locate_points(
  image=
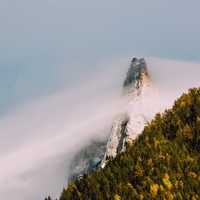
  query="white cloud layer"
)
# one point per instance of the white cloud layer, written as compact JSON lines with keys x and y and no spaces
{"x":39,"y":139}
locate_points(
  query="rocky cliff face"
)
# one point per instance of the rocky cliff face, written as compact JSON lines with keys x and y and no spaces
{"x":138,"y":88}
{"x":87,"y":159}
{"x":136,"y":73}
{"x":140,"y":92}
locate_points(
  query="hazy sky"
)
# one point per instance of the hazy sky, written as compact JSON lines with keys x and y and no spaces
{"x":44,"y":44}
{"x":50,"y":47}
{"x":39,"y":139}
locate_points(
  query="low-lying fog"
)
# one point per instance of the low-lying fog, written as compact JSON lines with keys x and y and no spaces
{"x":39,"y":139}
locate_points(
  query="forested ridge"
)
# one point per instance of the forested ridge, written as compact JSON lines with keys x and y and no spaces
{"x":162,"y":163}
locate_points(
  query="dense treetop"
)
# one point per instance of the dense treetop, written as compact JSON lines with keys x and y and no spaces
{"x":162,"y":163}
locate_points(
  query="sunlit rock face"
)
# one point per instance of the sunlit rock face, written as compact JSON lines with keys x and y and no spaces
{"x":141,"y":97}
{"x":116,"y":141}
{"x":141,"y":94}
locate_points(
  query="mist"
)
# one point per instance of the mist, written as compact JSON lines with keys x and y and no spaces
{"x":39,"y":139}
{"x":173,"y":77}
{"x":56,"y":93}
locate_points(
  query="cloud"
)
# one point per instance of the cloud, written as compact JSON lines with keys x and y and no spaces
{"x":40,"y":136}
{"x":173,"y":77}
{"x":39,"y":139}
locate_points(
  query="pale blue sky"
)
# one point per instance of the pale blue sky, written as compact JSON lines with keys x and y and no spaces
{"x":43,"y":43}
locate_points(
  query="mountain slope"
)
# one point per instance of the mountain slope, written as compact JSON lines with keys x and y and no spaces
{"x":162,"y":163}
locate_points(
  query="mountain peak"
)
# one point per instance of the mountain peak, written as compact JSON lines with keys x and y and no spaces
{"x":137,"y":69}
{"x":163,"y":163}
{"x":137,"y":86}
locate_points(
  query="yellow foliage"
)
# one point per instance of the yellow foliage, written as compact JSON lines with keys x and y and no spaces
{"x":161,"y":157}
{"x":169,"y":196}
{"x":72,"y":186}
{"x":117,"y":197}
{"x":195,"y":197}
{"x":187,"y":132}
{"x":181,"y":184}
{"x":138,"y":170}
{"x":154,"y":189}
{"x":182,"y":104}
{"x":167,"y":182}
{"x":156,"y":143}
{"x":150,"y":162}
{"x":198,"y":120}
{"x":161,"y":188}
{"x":185,"y":101}
{"x":192,"y":174}
{"x":190,"y":159}
{"x":129,"y":185}
{"x":166,"y":176}
{"x":140,"y":197}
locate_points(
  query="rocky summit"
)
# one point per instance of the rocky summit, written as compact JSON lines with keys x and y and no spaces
{"x":126,"y":127}
{"x":137,"y":86}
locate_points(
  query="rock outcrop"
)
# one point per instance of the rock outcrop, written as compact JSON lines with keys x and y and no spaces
{"x":87,"y":160}
{"x":140,"y":92}
{"x":139,"y":89}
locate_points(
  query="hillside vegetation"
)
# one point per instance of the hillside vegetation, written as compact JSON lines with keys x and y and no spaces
{"x":162,"y":163}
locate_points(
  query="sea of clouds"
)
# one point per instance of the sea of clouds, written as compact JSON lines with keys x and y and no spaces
{"x":39,"y":139}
